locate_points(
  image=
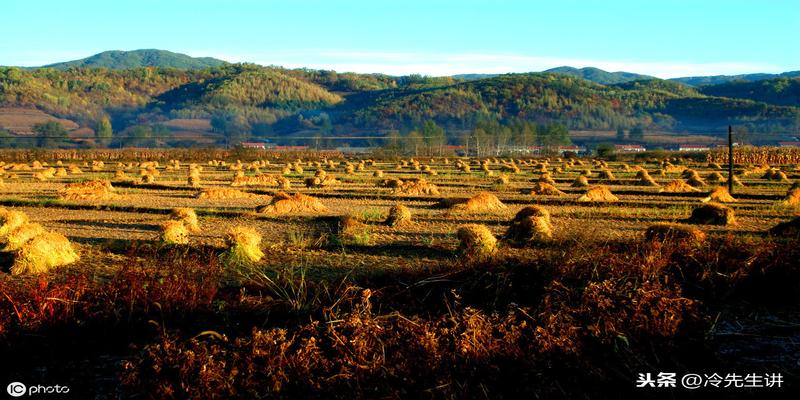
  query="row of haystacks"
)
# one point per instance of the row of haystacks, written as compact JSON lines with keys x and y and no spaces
{"x":34,"y":249}
{"x":284,"y":203}
{"x":410,"y":186}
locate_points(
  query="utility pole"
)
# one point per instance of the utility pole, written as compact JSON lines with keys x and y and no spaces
{"x":730,"y":159}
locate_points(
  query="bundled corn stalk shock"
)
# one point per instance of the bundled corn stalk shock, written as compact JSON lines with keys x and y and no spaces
{"x":258,"y":180}
{"x":243,"y":246}
{"x":501,"y":180}
{"x":476,"y":242}
{"x":90,"y":190}
{"x":678,"y":186}
{"x":715,"y":177}
{"x":378,"y":174}
{"x":792,"y":198}
{"x":416,"y":187}
{"x":546,"y":189}
{"x":546,"y":178}
{"x":481,"y":202}
{"x":531,"y":224}
{"x":712,"y":214}
{"x":607,"y":174}
{"x":645,"y":179}
{"x":283,"y":203}
{"x":174,"y":232}
{"x":580,"y":182}
{"x":668,"y":231}
{"x":398,"y":215}
{"x":720,"y":195}
{"x":10,"y":220}
{"x":598,"y":194}
{"x":22,"y":234}
{"x":223,"y":194}
{"x":43,"y":252}
{"x":188,"y":217}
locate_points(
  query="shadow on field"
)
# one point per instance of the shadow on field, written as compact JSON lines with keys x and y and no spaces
{"x":113,"y":225}
{"x":403,"y":250}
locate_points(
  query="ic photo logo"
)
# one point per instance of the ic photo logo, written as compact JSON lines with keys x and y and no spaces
{"x":19,"y":389}
{"x":16,"y":389}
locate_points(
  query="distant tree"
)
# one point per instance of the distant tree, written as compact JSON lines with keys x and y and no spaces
{"x":232,"y":125}
{"x":50,"y":134}
{"x":103,"y":132}
{"x":553,"y":135}
{"x":636,"y":133}
{"x":414,"y":141}
{"x":620,"y":134}
{"x":434,"y":136}
{"x":605,"y":150}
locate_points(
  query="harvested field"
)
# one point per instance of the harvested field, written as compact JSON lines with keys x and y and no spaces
{"x":385,"y":281}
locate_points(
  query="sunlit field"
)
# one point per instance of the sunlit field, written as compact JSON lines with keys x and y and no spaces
{"x":217,"y":274}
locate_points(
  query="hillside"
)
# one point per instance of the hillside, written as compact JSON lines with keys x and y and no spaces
{"x":117,"y":59}
{"x":597,"y":75}
{"x":779,"y":91}
{"x":241,"y":101}
{"x":719,"y":79}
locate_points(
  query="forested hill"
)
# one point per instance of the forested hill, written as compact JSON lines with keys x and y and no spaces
{"x":244,"y":101}
{"x":598,"y":75}
{"x":720,"y":79}
{"x":117,"y":59}
{"x":779,"y":91}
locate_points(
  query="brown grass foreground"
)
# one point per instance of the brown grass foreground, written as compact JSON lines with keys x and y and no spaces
{"x":570,"y":326}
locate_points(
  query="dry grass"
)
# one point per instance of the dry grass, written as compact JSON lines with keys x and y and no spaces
{"x":174,"y":232}
{"x":720,"y":195}
{"x":398,"y":215}
{"x":667,"y":231}
{"x":598,"y":194}
{"x":91,"y":190}
{"x":480,"y":203}
{"x":546,"y":189}
{"x":476,"y":242}
{"x":530,"y":225}
{"x":42,"y":253}
{"x":283,"y":203}
{"x":678,"y":186}
{"x":188,"y":217}
{"x":712,"y":214}
{"x":243,"y":246}
{"x":21,"y":234}
{"x":223,"y":194}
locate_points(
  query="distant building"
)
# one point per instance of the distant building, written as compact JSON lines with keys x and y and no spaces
{"x":629,"y":148}
{"x":693,"y":147}
{"x":289,"y":148}
{"x":789,"y":144}
{"x":255,"y":145}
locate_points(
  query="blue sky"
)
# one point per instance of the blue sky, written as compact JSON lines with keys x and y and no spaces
{"x":433,"y":37}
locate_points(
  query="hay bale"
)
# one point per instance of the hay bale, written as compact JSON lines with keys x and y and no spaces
{"x":695,"y":181}
{"x":174,"y":232}
{"x":398,"y":215}
{"x":787,"y":229}
{"x":283,"y":203}
{"x":720,"y":195}
{"x":580,"y":182}
{"x":476,"y":241}
{"x":223,"y":194}
{"x":712,"y":214}
{"x":188,"y":217}
{"x":645,"y":179}
{"x":416,"y":187}
{"x":598,"y":194}
{"x":546,"y":189}
{"x":531,"y":224}
{"x":481,"y":202}
{"x":43,"y":252}
{"x":607,"y":174}
{"x":678,"y":186}
{"x":792,"y":198}
{"x":243,"y":246}
{"x":667,"y":231}
{"x":10,"y":220}
{"x":21,"y":234}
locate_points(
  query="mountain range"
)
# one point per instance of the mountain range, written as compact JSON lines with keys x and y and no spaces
{"x":180,"y":95}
